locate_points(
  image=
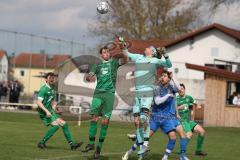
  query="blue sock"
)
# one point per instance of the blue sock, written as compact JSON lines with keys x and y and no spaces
{"x":134,"y":147}
{"x":183,"y":146}
{"x":170,"y":146}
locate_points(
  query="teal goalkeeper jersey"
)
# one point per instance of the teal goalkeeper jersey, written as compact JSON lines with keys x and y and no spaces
{"x":47,"y":95}
{"x":145,"y":71}
{"x":106,"y":73}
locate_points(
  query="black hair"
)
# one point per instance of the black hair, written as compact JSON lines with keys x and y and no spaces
{"x":103,"y":48}
{"x":168,"y":73}
{"x":49,"y":74}
{"x":182,"y":85}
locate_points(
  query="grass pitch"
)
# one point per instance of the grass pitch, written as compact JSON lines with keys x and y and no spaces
{"x":20,"y":133}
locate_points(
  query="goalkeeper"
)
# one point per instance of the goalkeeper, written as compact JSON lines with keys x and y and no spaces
{"x":146,"y":65}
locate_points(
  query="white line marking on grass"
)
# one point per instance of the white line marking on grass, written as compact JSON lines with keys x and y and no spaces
{"x":80,"y":155}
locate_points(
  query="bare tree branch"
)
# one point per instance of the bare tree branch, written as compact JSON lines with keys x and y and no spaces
{"x":147,"y":19}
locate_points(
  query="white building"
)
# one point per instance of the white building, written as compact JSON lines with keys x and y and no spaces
{"x":203,"y":47}
{"x":3,"y":66}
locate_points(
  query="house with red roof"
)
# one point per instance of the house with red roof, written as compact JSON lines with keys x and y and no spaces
{"x":29,"y":68}
{"x":213,"y":45}
{"x":3,"y":66}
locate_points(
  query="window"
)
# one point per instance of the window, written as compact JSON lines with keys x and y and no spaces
{"x":22,"y":73}
{"x":214,"y":52}
{"x":233,"y":92}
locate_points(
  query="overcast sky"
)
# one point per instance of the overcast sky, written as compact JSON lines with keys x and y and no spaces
{"x":69,"y":19}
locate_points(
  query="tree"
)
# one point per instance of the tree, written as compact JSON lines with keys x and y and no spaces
{"x":216,"y":3}
{"x":144,"y":19}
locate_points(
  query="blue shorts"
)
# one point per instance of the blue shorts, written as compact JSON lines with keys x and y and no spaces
{"x":167,"y":124}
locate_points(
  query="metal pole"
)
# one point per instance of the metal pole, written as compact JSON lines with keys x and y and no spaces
{"x":30,"y":64}
{"x":45,"y":56}
{"x":15,"y":48}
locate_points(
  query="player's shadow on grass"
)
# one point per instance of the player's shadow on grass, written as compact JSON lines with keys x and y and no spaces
{"x":101,"y":158}
{"x":147,"y":157}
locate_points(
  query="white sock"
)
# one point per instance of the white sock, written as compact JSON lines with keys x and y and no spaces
{"x":146,"y":143}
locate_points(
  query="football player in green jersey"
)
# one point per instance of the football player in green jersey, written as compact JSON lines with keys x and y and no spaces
{"x":103,"y":98}
{"x":185,"y":103}
{"x":49,"y":115}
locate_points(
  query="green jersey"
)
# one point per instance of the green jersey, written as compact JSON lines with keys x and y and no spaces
{"x":47,"y":95}
{"x":187,"y":101}
{"x":106,"y":73}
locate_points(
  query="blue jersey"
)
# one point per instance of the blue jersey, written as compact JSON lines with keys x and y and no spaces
{"x":167,"y":108}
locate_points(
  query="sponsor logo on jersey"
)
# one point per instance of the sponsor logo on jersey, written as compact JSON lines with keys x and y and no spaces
{"x":104,"y":70}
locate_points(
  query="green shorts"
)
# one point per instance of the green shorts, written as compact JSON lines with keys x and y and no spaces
{"x":102,"y":104}
{"x":188,"y":126}
{"x":48,"y":120}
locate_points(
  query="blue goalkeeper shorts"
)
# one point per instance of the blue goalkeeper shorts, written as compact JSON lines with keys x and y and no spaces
{"x":166,"y":124}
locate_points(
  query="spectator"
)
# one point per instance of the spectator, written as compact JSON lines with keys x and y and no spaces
{"x":1,"y":89}
{"x":236,"y":100}
{"x":4,"y":90}
{"x":15,"y":90}
{"x":230,"y":99}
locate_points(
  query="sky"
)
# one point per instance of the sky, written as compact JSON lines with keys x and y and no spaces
{"x":69,"y":19}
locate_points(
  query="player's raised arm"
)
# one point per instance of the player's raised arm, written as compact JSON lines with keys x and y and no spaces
{"x":130,"y":55}
{"x":167,"y":63}
{"x":175,"y":84}
{"x":121,"y":58}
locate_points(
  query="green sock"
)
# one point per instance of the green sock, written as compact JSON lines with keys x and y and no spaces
{"x":200,"y":140}
{"x":103,"y":134}
{"x":67,"y":133}
{"x":49,"y":134}
{"x":92,"y":132}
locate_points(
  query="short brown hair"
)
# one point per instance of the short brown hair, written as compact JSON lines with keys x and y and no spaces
{"x":182,"y":85}
{"x":49,"y":74}
{"x":168,"y":73}
{"x":102,"y":48}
